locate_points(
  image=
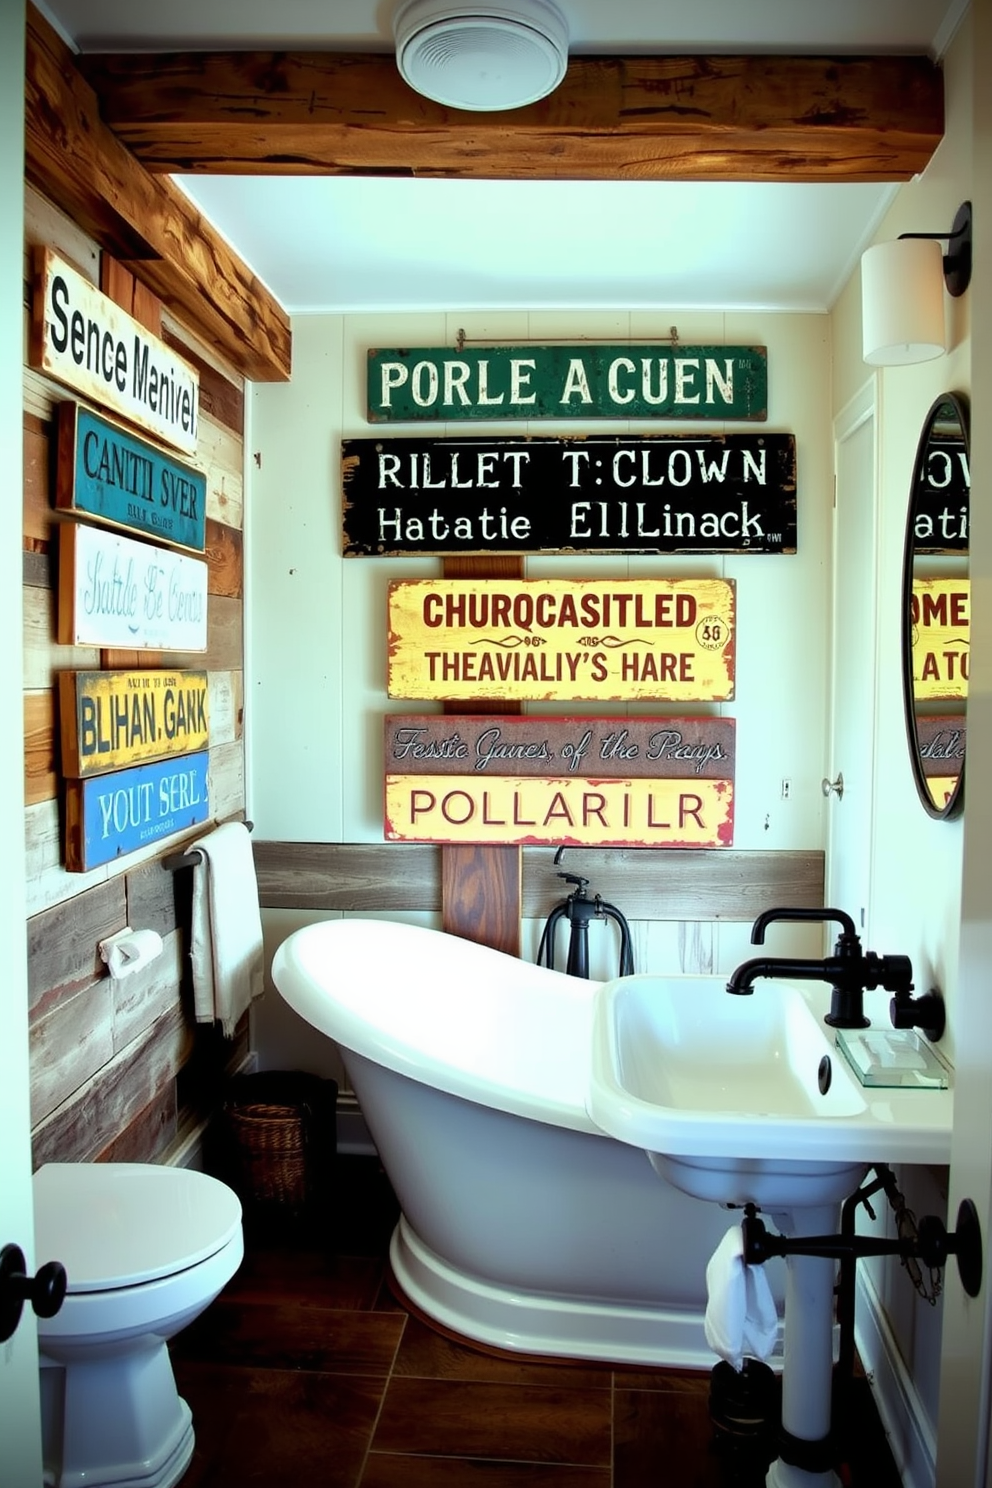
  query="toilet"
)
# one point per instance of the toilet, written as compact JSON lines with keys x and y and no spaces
{"x":145,"y":1250}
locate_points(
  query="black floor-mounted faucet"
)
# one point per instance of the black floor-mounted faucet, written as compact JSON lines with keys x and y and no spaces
{"x":850,"y":970}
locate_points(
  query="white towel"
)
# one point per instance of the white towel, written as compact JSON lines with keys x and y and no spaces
{"x":740,"y":1311}
{"x":226,"y":946}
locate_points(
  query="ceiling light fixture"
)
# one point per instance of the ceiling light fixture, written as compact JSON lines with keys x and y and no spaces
{"x":902,"y":292}
{"x":497,"y":54}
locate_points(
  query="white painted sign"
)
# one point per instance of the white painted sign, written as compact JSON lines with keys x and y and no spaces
{"x":116,"y":592}
{"x":81,"y":338}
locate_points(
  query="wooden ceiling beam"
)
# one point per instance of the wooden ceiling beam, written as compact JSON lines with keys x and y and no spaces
{"x":76,"y":160}
{"x":756,"y":118}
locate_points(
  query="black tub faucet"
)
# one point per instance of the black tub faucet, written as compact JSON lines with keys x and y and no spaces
{"x":850,"y":970}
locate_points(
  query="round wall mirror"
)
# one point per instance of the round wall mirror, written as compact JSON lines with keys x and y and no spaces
{"x":937,"y":607}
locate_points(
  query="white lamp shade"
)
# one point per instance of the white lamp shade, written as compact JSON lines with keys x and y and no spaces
{"x":902,"y":302}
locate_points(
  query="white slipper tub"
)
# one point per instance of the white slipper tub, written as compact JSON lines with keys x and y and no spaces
{"x":522,"y":1225}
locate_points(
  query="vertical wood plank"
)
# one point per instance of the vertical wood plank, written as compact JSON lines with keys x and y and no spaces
{"x":481,"y":885}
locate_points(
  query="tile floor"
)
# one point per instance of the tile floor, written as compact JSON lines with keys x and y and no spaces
{"x":308,"y":1370}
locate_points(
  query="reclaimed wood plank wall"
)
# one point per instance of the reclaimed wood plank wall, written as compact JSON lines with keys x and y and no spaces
{"x":119,"y":1070}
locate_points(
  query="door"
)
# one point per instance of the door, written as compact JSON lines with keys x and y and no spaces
{"x":848,"y":785}
{"x":20,"y":1432}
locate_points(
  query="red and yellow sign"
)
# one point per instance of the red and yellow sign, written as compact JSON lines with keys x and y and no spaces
{"x":666,"y":640}
{"x":941,"y":630}
{"x":607,"y":782}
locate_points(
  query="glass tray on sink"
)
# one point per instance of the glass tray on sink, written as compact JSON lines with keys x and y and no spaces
{"x":891,"y":1057}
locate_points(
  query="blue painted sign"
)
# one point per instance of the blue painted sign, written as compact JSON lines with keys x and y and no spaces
{"x":108,"y":473}
{"x":109,"y":816}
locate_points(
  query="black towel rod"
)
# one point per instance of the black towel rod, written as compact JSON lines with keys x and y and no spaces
{"x":175,"y":862}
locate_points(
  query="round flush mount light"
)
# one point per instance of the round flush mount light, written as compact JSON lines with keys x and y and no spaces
{"x":497,"y":54}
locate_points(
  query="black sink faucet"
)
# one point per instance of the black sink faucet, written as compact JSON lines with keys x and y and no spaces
{"x":850,"y":970}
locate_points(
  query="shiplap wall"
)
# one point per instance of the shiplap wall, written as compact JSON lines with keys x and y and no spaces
{"x":119,"y":1070}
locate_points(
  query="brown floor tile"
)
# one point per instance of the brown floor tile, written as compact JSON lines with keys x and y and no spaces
{"x":276,"y":1429}
{"x":426,"y":1354}
{"x":386,"y":1471}
{"x":668,"y":1437}
{"x":314,"y":1276}
{"x":293,"y":1336}
{"x":448,"y":1418}
{"x":671,"y":1381}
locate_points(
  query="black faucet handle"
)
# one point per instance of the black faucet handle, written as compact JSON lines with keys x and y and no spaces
{"x":891,"y":973}
{"x":825,"y":916}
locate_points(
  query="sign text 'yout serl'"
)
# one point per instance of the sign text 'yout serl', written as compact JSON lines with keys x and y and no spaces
{"x":109,"y":816}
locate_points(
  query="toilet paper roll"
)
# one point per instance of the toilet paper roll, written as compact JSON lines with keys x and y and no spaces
{"x":129,"y":950}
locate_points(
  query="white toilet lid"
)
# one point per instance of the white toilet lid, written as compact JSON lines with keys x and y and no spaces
{"x":119,"y":1224}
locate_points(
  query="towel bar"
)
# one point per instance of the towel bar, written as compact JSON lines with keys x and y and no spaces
{"x":177,"y":861}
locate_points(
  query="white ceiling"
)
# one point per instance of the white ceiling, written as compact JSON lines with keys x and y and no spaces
{"x":357,"y":243}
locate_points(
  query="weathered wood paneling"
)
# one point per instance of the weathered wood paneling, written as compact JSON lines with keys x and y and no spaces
{"x":95,"y":1115}
{"x":724,"y":884}
{"x":41,"y":777}
{"x":106,"y":1055}
{"x":634,"y":117}
{"x":63,"y":944}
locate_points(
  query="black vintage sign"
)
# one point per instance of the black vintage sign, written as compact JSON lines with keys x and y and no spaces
{"x":654,"y":493}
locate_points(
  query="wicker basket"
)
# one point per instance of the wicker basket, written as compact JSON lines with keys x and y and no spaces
{"x":280,"y":1130}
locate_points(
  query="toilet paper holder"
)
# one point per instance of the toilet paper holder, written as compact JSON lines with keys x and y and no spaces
{"x":130,"y":950}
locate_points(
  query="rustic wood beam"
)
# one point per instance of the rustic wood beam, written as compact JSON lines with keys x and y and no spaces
{"x":75,"y":160}
{"x":759,"y":118}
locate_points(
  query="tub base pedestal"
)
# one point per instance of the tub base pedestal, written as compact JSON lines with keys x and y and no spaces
{"x":529,"y":1323}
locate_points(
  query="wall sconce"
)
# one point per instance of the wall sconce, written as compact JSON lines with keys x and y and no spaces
{"x":902,"y":292}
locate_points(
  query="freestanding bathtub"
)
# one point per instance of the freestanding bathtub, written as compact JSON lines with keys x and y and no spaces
{"x":522,"y":1225}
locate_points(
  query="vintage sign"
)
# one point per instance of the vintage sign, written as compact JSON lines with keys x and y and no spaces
{"x":943,"y":490}
{"x":660,"y":639}
{"x":655,"y":493}
{"x":941,"y":742}
{"x":582,"y":381}
{"x":116,"y":592}
{"x":940,"y":616}
{"x":110,"y":720}
{"x":109,"y":816}
{"x":608,"y":782}
{"x":107,"y":473}
{"x":82,"y":339}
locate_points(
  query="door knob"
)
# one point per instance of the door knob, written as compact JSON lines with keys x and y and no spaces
{"x":45,"y":1290}
{"x":833,"y":786}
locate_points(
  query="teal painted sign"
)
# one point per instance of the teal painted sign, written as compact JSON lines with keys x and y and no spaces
{"x":109,"y":816}
{"x":108,"y":473}
{"x":568,"y":382}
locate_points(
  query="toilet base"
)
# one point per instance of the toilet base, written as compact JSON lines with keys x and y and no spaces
{"x":120,"y":1421}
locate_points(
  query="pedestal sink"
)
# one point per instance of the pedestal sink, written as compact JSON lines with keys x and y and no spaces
{"x":749,"y":1099}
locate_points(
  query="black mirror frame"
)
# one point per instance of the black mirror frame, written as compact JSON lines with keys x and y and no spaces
{"x":955,"y":804}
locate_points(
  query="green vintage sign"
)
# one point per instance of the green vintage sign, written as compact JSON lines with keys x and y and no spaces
{"x":568,"y":382}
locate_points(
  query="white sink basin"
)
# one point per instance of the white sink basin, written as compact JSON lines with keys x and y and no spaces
{"x":748,"y":1098}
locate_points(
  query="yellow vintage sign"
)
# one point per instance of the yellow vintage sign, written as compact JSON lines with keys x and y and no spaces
{"x":114,"y":719}
{"x":610,"y":813}
{"x":539,"y":639}
{"x":941,"y":634}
